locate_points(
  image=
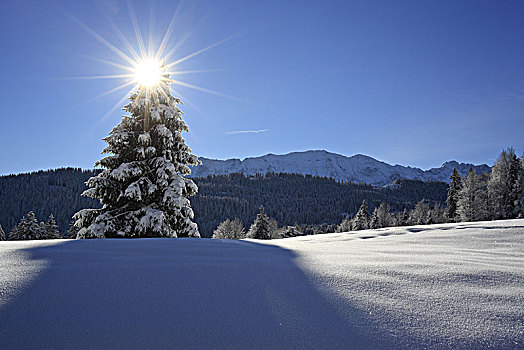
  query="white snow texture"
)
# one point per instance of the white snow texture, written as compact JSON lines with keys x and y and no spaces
{"x":452,"y":286}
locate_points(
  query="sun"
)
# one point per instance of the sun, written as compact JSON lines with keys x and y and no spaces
{"x":152,"y":70}
{"x":149,"y":73}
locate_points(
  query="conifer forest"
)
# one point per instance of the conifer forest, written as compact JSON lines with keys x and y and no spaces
{"x":309,"y":204}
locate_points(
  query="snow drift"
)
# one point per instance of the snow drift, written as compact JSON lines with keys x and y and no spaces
{"x":440,"y":286}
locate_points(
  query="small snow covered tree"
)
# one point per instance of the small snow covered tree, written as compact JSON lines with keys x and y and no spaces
{"x":437,"y":214}
{"x":13,"y":234}
{"x":374,"y":222}
{"x":482,"y":207}
{"x":2,"y":234}
{"x":468,"y":203}
{"x":361,"y":219}
{"x":385,"y":219}
{"x":420,"y":215}
{"x":51,"y":228}
{"x":453,"y":195}
{"x":43,"y":232}
{"x":143,"y":187}
{"x":260,"y":229}
{"x":274,"y":231}
{"x":230,"y":229}
{"x":519,"y":192}
{"x":346,"y":225}
{"x":26,"y":229}
{"x":514,"y":175}
{"x":501,"y":185}
{"x":402,"y":218}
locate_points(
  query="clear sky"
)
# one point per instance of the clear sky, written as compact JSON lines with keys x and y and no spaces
{"x":407,"y":82}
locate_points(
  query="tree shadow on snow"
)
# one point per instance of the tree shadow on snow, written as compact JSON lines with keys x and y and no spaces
{"x":174,"y":293}
{"x":500,"y":227}
{"x":417,"y":230}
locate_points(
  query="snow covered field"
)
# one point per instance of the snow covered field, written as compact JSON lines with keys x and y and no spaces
{"x":440,"y":286}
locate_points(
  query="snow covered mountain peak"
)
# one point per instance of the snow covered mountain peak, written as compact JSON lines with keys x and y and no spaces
{"x":358,"y":168}
{"x":450,"y":163}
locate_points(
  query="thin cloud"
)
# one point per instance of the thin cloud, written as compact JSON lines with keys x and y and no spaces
{"x":235,"y":132}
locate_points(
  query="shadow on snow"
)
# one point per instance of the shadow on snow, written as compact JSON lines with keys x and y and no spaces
{"x":165,"y":293}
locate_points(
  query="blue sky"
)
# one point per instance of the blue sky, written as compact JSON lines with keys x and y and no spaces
{"x":407,"y":82}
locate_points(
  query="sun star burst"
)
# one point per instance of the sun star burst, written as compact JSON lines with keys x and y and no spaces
{"x":149,"y":73}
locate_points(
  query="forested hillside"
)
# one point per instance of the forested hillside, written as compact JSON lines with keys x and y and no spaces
{"x":297,"y":199}
{"x":288,"y":198}
{"x":54,"y":192}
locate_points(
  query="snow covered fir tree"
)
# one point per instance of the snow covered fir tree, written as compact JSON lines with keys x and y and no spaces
{"x":28,"y":228}
{"x":381,"y":217}
{"x":503,"y":185}
{"x":361,"y":220}
{"x":51,"y":228}
{"x":261,"y":228}
{"x":453,"y":195}
{"x":143,"y":187}
{"x":346,"y":224}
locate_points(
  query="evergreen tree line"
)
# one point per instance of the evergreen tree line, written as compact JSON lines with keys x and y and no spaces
{"x":30,"y":228}
{"x":382,"y":216}
{"x":312,"y":204}
{"x":55,"y":192}
{"x":491,"y":196}
{"x":315,"y":204}
{"x":495,"y":196}
{"x":263,"y":227}
{"x":302,"y":204}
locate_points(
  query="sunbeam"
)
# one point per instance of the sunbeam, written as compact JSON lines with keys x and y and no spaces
{"x":136,"y":28}
{"x":198,"y":88}
{"x":146,"y":69}
{"x":181,"y":72}
{"x":115,"y":106}
{"x":108,"y":92}
{"x":110,"y":63}
{"x":177,"y":45}
{"x":187,"y":101}
{"x":198,"y":52}
{"x":100,"y":38}
{"x":167,"y":34}
{"x":122,"y":37}
{"x":90,"y":77}
{"x":151,"y":39}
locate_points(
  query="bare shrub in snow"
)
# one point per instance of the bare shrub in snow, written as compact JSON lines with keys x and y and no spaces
{"x":230,"y":229}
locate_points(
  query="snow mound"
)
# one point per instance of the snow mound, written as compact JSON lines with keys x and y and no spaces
{"x":438,"y":286}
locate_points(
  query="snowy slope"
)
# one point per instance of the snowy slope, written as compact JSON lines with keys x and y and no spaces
{"x":441,"y":286}
{"x":358,"y":168}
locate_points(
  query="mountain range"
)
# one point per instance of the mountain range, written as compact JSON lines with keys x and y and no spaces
{"x":358,"y":168}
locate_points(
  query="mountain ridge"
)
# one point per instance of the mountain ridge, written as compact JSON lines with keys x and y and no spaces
{"x":358,"y":168}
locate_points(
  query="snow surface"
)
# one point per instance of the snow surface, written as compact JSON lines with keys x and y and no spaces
{"x":358,"y":168}
{"x":439,"y":286}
